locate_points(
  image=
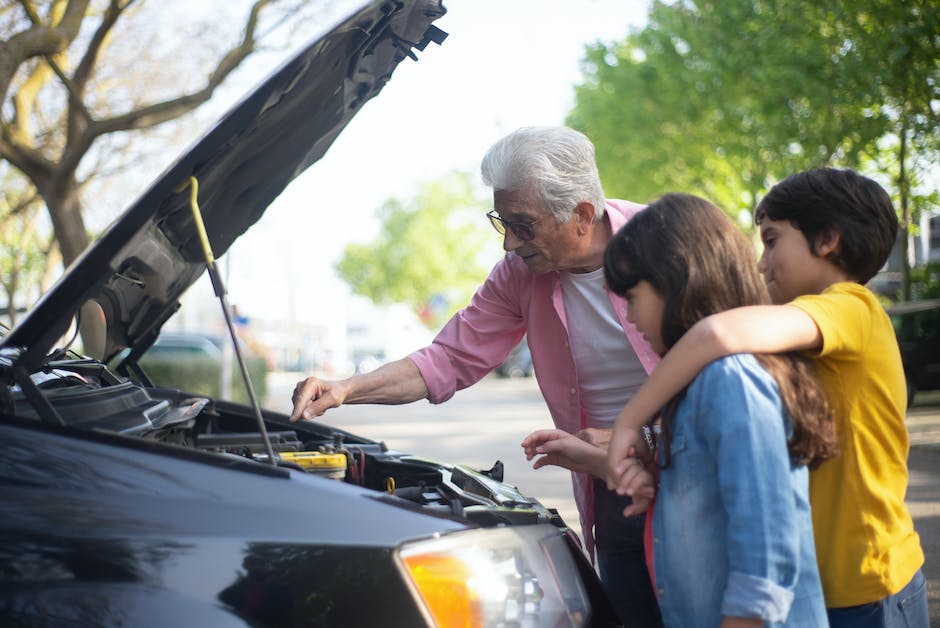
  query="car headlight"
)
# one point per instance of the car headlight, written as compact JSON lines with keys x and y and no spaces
{"x":515,"y":576}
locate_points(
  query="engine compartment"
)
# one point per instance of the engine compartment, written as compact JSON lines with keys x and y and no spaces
{"x":480,"y":496}
{"x":85,"y":394}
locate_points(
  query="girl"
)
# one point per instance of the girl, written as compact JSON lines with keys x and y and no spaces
{"x":732,"y":534}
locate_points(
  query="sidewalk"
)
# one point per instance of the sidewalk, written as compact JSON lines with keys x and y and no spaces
{"x":923,"y":493}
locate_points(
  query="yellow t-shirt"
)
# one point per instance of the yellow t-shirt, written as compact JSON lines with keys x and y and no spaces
{"x":866,"y":545}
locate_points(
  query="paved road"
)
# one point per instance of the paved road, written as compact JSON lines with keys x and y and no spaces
{"x":486,"y":423}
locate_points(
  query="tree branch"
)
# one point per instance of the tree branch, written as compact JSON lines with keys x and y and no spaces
{"x":76,"y":104}
{"x":83,"y":72}
{"x":155,"y":114}
{"x":23,"y":101}
{"x":39,"y":40}
{"x":23,"y":203}
{"x":78,"y":116}
{"x":30,"y":161}
{"x":236,"y":55}
{"x":30,"y":11}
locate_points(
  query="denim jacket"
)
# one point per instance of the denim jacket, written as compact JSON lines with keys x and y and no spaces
{"x":732,"y":533}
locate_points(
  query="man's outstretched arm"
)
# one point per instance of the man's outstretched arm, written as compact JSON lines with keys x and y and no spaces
{"x":393,"y":383}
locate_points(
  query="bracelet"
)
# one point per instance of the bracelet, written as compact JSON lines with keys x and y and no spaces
{"x":649,"y":437}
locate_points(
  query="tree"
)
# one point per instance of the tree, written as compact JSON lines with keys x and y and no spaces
{"x":725,"y":98}
{"x":63,"y":94}
{"x":432,"y":251}
{"x":901,"y":47}
{"x":25,"y":254}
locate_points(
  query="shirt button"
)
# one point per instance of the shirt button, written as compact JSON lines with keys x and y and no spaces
{"x":573,"y":391}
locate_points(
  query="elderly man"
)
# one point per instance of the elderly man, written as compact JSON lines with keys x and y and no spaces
{"x":550,"y":209}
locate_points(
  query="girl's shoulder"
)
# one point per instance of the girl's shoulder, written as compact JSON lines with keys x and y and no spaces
{"x":730,"y":373}
{"x":735,"y":388}
{"x":732,"y":366}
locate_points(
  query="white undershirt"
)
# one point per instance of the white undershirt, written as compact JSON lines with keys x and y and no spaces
{"x":609,"y":371}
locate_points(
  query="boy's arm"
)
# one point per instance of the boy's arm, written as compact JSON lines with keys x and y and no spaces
{"x":752,"y":329}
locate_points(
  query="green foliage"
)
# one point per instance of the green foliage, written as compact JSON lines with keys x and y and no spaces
{"x":201,"y":375}
{"x":432,"y":251}
{"x":723,"y":99}
{"x":925,"y":282}
{"x":24,"y":255}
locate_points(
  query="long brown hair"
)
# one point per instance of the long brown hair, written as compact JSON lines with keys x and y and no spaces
{"x":700,"y":263}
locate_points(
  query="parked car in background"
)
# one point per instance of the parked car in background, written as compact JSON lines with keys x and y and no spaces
{"x":194,"y":362}
{"x":126,"y":502}
{"x":917,"y":326}
{"x":187,"y":344}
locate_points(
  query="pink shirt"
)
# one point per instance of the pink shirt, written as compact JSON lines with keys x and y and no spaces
{"x":513,"y":302}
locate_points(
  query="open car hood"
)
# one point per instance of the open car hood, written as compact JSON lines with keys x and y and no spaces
{"x":141,"y":265}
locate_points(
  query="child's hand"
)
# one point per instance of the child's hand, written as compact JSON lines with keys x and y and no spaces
{"x":640,"y":485}
{"x":559,"y":448}
{"x":622,"y":450}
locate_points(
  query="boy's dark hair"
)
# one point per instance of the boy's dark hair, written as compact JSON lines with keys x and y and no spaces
{"x":828,"y":199}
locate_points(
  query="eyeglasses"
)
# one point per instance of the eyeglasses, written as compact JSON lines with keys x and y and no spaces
{"x":522,"y":229}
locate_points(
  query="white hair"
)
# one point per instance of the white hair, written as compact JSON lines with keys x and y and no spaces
{"x":556,"y":162}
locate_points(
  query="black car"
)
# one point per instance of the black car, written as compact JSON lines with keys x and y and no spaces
{"x":129,"y":504}
{"x":917,"y":327}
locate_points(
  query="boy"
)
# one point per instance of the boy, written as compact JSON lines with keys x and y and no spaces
{"x":826,"y":232}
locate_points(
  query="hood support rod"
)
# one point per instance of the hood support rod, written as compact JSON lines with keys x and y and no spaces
{"x":219,"y":289}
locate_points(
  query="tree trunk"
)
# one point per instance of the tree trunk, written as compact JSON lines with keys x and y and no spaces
{"x":62,"y":201}
{"x":907,"y":248}
{"x":65,"y":210}
{"x":10,"y":287}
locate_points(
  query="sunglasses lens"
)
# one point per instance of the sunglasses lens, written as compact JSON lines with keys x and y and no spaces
{"x":523,"y":231}
{"x":497,"y":224}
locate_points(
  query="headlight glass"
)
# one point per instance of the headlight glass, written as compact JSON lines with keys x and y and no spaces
{"x":520,"y":577}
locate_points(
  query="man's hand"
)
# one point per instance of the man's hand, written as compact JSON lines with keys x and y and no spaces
{"x":392,"y":383}
{"x":559,"y":448}
{"x":312,"y":397}
{"x":597,"y":436}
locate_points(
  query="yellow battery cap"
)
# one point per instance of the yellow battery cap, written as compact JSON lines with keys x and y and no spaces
{"x":330,"y":465}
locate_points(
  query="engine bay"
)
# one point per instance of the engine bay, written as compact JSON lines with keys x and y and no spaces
{"x":85,"y":394}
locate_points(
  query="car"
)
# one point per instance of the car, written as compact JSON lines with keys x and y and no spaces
{"x":917,"y":327}
{"x":170,"y":345}
{"x":130,"y":503}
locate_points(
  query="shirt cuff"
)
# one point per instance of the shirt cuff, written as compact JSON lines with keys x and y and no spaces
{"x":440,"y":384}
{"x":750,"y":596}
